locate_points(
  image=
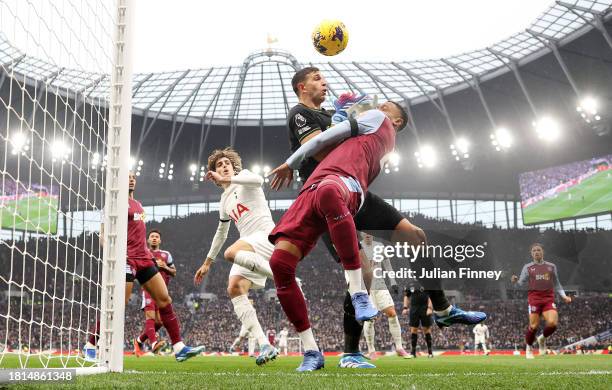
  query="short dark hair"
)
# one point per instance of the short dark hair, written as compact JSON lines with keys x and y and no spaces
{"x":403,"y":115}
{"x":300,"y":77}
{"x":154,"y":231}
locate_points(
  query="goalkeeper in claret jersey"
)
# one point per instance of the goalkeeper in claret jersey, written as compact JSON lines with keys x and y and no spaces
{"x":543,"y":281}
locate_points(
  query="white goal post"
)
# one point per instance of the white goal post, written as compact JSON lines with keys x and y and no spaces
{"x":65,"y":110}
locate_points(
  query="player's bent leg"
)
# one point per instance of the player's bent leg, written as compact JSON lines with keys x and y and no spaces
{"x":243,"y":254}
{"x":156,"y":287}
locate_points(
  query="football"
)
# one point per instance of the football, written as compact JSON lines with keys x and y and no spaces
{"x":330,"y":37}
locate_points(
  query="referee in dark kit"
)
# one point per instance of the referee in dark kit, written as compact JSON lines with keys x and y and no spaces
{"x":418,"y":305}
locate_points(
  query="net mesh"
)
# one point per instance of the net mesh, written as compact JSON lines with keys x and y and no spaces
{"x":52,"y":147}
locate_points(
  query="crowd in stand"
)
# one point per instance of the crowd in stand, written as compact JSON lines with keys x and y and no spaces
{"x":50,"y":302}
{"x":536,"y":182}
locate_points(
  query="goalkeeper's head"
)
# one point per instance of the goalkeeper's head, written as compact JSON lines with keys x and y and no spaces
{"x":310,"y":86}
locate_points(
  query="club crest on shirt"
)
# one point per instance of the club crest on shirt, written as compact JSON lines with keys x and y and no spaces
{"x":299,"y":120}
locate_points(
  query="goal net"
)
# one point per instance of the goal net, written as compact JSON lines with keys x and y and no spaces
{"x":65,"y":89}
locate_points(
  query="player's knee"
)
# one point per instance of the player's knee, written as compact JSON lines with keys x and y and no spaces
{"x":282,"y":270}
{"x":229,"y":254}
{"x":329,"y":199}
{"x":163,"y":301}
{"x":234,"y":290}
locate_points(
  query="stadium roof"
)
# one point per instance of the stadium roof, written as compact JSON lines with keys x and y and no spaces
{"x":258,"y":92}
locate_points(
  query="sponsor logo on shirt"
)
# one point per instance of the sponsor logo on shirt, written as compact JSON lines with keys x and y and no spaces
{"x":139,"y":217}
{"x":303,"y":130}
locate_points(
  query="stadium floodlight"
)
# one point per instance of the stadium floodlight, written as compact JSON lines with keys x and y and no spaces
{"x":394,"y":158}
{"x":19,"y":142}
{"x":193,"y":168}
{"x":547,"y":129}
{"x":426,"y":157}
{"x":59,"y":150}
{"x":266,"y":169}
{"x":163,"y":165}
{"x":502,"y":139}
{"x":95,"y":160}
{"x":256,"y":169}
{"x":170,"y":177}
{"x":140,"y":163}
{"x":588,"y":105}
{"x":460,"y":149}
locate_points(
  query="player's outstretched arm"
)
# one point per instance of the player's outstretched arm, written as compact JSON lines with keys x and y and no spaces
{"x":559,"y":288}
{"x":247,"y":178}
{"x":367,"y":123}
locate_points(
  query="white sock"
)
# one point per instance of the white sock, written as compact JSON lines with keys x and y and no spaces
{"x":248,"y":317}
{"x":178,"y":346}
{"x":355,"y":280}
{"x":252,"y":342}
{"x":253,"y":262}
{"x":368,"y":332}
{"x":308,"y":340}
{"x":444,"y":312}
{"x":396,"y":332}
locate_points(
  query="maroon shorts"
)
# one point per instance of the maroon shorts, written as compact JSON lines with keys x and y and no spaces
{"x":540,"y":307}
{"x":148,"y":304}
{"x":304,"y":223}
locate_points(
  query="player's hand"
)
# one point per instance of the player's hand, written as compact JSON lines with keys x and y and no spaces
{"x":201,"y":273}
{"x":343,"y":103}
{"x":160,"y":263}
{"x":567,"y":299}
{"x":514,"y":279}
{"x":283,"y":175}
{"x":216,"y":178}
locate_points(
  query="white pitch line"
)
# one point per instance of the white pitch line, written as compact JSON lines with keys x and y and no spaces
{"x":374,"y":375}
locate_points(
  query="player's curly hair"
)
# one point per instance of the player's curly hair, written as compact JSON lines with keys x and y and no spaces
{"x":228,"y":153}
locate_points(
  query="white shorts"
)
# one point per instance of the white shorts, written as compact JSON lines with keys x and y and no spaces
{"x":480,"y":340}
{"x":382,"y":299}
{"x":263,"y":247}
{"x":282,"y":343}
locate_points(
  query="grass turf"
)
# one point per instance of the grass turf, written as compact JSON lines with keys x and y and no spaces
{"x":453,"y":372}
{"x":597,"y":198}
{"x":32,"y":213}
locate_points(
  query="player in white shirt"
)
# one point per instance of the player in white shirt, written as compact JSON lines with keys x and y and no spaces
{"x":283,"y":337}
{"x":382,"y":300}
{"x":242,"y":201}
{"x":481,"y":334}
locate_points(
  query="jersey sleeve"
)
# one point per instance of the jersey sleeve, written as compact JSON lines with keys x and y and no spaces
{"x":367,"y":123}
{"x":302,"y":124}
{"x":170,"y":262}
{"x":247,"y":178}
{"x":524,"y":275}
{"x":558,"y":288}
{"x":220,"y":235}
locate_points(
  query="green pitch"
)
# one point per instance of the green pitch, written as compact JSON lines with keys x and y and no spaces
{"x":589,"y":197}
{"x":32,"y":213}
{"x":455,"y":372}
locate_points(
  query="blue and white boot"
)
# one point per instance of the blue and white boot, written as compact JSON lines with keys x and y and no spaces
{"x":313,"y":360}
